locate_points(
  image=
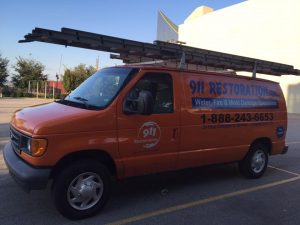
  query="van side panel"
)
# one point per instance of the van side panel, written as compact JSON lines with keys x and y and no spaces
{"x":223,"y":115}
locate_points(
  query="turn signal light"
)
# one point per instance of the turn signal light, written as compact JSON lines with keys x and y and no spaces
{"x":38,"y":147}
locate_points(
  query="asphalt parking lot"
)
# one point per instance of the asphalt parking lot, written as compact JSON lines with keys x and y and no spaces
{"x":209,"y":195}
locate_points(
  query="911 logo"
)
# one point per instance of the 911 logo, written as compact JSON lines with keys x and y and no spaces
{"x":149,"y":135}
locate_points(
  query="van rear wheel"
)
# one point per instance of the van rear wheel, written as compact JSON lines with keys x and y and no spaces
{"x":255,"y":163}
{"x":81,"y":189}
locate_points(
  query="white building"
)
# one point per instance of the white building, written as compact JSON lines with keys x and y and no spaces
{"x":264,"y":29}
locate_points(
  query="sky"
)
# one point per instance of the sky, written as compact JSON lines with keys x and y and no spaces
{"x":130,"y":19}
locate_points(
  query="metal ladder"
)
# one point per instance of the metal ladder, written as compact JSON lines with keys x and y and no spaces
{"x":163,"y":53}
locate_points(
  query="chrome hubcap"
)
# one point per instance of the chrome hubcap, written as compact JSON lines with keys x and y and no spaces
{"x":258,"y":161}
{"x":85,"y":191}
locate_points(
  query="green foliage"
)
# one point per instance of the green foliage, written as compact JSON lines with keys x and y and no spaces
{"x":8,"y":91}
{"x":74,"y":77}
{"x":3,"y":70}
{"x":26,"y":70}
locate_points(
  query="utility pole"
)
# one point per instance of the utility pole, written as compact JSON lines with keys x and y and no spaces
{"x":60,"y":64}
{"x":97,"y":63}
{"x":29,"y":87}
{"x":37,"y":89}
{"x":57,"y":77}
{"x":45,"y":89}
{"x":53,"y":89}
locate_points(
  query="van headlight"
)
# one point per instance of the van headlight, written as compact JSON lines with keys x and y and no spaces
{"x":34,"y":146}
{"x":28,"y":147}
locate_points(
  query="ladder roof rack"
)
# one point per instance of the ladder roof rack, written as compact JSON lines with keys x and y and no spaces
{"x":134,"y":52}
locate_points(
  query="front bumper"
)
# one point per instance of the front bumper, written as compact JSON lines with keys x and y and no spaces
{"x":28,"y":177}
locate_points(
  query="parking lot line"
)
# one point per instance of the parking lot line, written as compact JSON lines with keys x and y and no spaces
{"x":201,"y":202}
{"x":283,"y":170}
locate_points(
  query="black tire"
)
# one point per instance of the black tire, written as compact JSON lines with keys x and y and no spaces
{"x":75,"y":184}
{"x":256,"y":161}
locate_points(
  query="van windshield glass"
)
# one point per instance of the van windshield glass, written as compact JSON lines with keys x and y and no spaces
{"x":100,"y":89}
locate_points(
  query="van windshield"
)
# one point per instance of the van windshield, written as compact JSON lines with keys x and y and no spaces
{"x":100,"y":89}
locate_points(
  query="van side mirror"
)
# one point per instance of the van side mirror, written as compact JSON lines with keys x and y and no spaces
{"x":142,"y":105}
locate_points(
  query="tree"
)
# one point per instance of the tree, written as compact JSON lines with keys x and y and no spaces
{"x":27,"y":70}
{"x":74,"y":77}
{"x":3,"y":70}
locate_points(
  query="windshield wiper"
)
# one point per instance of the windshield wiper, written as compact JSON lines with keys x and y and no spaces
{"x":83,"y":100}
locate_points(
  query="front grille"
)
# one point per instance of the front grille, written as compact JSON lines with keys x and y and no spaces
{"x":15,"y":137}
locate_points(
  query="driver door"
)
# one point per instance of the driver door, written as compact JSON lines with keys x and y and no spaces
{"x":149,"y":143}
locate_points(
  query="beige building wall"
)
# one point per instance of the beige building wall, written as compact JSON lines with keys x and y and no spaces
{"x":264,"y":29}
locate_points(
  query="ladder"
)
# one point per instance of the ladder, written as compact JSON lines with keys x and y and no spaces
{"x":161,"y":52}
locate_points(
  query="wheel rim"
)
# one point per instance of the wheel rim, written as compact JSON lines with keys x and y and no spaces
{"x":258,"y":161}
{"x":85,"y":191}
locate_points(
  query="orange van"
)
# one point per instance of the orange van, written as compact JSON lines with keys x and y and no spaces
{"x":135,"y":120}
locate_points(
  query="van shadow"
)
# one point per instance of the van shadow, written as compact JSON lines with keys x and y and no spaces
{"x":132,"y":195}
{"x":19,"y":207}
{"x":177,"y":186}
{"x":176,"y":179}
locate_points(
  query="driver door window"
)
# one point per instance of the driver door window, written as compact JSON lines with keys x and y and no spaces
{"x":161,"y":88}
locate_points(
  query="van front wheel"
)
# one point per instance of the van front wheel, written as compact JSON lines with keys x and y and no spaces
{"x":81,"y":189}
{"x":255,"y":163}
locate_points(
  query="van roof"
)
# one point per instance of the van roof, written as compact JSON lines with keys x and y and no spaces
{"x":213,"y":73}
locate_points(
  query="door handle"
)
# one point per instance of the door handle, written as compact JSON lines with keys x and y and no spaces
{"x":174,"y":135}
